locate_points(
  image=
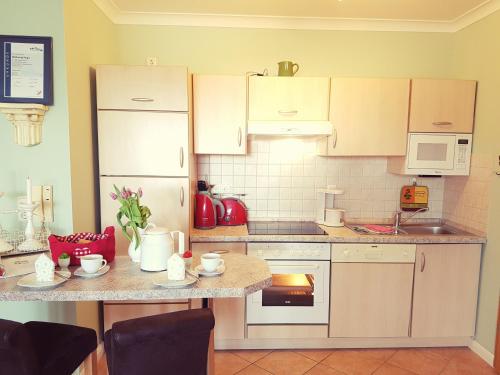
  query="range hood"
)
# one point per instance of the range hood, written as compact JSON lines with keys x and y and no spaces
{"x":317,"y":129}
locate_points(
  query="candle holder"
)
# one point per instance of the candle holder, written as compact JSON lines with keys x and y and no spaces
{"x":30,"y":243}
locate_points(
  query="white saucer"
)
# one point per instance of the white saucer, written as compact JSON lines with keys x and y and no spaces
{"x":218,"y":271}
{"x":164,"y":282}
{"x":80,"y":272}
{"x":30,"y":281}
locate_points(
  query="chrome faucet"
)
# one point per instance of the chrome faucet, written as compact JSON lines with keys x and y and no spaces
{"x":398,"y":219}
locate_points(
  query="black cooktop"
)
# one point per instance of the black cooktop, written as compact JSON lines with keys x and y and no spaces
{"x":284,"y":227}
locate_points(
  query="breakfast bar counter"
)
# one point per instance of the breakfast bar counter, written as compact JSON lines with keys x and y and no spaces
{"x":125,"y":281}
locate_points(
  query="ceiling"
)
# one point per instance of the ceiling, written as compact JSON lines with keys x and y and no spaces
{"x":410,"y":15}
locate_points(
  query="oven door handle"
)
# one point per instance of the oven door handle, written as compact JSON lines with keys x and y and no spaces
{"x":300,"y":267}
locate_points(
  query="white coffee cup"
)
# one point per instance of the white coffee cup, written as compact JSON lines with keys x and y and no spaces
{"x":210,"y":261}
{"x":93,"y":263}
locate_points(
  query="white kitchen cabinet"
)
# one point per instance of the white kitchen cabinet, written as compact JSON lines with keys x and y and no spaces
{"x":219,"y":110}
{"x":229,"y":312}
{"x":150,"y":143}
{"x":370,"y":299}
{"x":369,"y":117}
{"x":442,"y":106}
{"x":288,"y":98}
{"x":153,"y":88}
{"x":445,"y":290}
{"x":167,"y":198}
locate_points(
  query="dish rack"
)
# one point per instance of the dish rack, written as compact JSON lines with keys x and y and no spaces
{"x":15,"y":238}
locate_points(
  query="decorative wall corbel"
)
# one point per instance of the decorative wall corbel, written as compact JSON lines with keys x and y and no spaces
{"x":27,"y":120}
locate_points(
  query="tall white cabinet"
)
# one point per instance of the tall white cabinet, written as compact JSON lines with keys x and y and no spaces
{"x":145,"y":140}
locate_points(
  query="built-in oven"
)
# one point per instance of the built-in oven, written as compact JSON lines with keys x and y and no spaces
{"x":299,"y":293}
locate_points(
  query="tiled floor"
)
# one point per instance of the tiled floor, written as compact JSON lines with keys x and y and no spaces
{"x":432,"y":361}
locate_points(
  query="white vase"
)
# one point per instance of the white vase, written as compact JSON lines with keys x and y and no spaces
{"x":133,"y":252}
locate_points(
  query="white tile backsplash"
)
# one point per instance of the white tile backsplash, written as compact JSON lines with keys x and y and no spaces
{"x":280,"y":178}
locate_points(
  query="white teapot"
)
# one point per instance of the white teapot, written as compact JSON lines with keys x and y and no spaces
{"x":157,"y":247}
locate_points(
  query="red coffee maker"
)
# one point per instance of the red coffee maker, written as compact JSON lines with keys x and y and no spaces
{"x":205,"y":216}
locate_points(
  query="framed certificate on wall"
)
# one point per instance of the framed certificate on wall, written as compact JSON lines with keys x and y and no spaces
{"x":26,"y":69}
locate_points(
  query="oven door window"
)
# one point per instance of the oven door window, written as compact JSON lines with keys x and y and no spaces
{"x":290,"y":290}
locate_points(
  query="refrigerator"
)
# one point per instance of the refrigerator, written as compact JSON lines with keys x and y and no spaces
{"x":144,"y":141}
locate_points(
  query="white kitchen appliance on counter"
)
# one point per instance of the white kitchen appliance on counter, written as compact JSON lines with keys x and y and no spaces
{"x":326,"y":213}
{"x":434,"y":154}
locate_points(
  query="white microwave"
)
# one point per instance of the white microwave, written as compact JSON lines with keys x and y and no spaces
{"x":434,"y":154}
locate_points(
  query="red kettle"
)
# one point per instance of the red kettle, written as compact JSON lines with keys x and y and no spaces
{"x":205,"y":213}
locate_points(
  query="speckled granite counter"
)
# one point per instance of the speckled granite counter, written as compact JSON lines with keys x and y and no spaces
{"x":343,"y":234}
{"x":125,"y":281}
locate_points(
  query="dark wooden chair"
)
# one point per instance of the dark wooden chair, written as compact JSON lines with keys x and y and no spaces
{"x":173,"y":343}
{"x":40,"y":348}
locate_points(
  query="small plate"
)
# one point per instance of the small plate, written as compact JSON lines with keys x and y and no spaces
{"x":218,"y":271}
{"x":80,"y":272}
{"x":30,"y":281}
{"x":164,"y":282}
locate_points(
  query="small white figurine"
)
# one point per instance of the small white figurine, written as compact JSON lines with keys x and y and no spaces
{"x":44,"y":268}
{"x":176,"y":268}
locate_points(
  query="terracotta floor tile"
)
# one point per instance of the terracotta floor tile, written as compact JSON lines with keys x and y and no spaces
{"x":320,"y":369}
{"x":468,"y":363}
{"x":446,"y":353}
{"x":419,"y":361}
{"x":383,"y":354}
{"x":353,"y":362}
{"x":253,"y":370}
{"x":316,"y":355}
{"x":251,"y":355}
{"x":286,"y":363}
{"x":228,"y":364}
{"x":387,"y":369}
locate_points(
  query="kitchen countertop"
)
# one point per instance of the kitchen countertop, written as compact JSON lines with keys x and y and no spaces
{"x":342,"y":234}
{"x":125,"y":281}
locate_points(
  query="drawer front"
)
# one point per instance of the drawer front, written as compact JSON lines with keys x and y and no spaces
{"x":373,"y":253}
{"x":288,"y":99}
{"x":158,"y":88}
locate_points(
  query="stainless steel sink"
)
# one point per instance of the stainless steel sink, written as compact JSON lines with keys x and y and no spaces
{"x":426,"y":229}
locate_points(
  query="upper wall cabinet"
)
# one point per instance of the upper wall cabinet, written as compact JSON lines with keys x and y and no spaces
{"x":442,"y":106}
{"x":220,"y":104}
{"x":288,"y":98}
{"x":152,"y":88}
{"x":369,"y":117}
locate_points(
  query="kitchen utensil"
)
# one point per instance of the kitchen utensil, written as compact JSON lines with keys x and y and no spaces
{"x":30,"y":281}
{"x":234,"y":213}
{"x":210,"y":261}
{"x":325,"y":207}
{"x":205,"y":214}
{"x":287,"y":68}
{"x":157,"y":247}
{"x":334,"y":217}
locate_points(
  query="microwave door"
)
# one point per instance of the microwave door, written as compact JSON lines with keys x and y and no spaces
{"x":426,"y":151}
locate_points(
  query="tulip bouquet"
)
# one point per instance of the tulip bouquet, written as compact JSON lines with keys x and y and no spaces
{"x":132,"y":210}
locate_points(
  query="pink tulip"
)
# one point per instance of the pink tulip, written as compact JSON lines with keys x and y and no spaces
{"x":113,"y":196}
{"x":129,"y":192}
{"x":124,"y":194}
{"x":139,"y":192}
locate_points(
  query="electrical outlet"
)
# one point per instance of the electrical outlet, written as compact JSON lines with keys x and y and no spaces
{"x":151,"y":60}
{"x":48,"y":203}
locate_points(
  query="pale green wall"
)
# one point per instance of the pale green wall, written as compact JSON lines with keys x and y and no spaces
{"x":477,"y":56}
{"x":319,"y":53}
{"x":47,"y":163}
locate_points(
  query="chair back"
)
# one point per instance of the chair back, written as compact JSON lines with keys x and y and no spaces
{"x":173,"y":343}
{"x":17,"y":355}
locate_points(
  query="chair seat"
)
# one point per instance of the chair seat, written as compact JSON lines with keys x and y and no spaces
{"x":61,"y":348}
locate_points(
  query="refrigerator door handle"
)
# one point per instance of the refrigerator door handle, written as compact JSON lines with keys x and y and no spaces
{"x":181,"y":157}
{"x":182,"y":196}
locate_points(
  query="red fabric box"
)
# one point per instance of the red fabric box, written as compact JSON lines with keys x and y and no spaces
{"x":103,"y":244}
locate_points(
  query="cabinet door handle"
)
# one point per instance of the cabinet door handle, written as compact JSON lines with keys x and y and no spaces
{"x":442,"y":123}
{"x":142,"y":100}
{"x":422,"y":262}
{"x":334,"y":139}
{"x":288,"y":113}
{"x":181,"y":197}
{"x":181,"y":157}
{"x":240,"y":135}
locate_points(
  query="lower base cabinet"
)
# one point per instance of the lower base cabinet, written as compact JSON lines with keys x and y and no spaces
{"x":229,"y":312}
{"x":445,"y":290}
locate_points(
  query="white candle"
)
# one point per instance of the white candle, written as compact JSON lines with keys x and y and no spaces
{"x":28,"y":191}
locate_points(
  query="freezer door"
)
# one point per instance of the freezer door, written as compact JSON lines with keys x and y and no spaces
{"x":143,"y":144}
{"x":167,"y":198}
